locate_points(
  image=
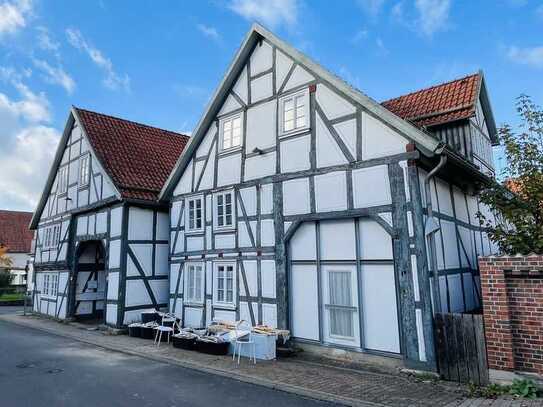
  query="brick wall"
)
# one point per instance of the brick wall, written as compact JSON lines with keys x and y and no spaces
{"x":512,"y":292}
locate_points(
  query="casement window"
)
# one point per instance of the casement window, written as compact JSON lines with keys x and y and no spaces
{"x":230,"y":129}
{"x":225,"y":284}
{"x":54,"y":285}
{"x":340,"y":307}
{"x":224,"y":210}
{"x":51,"y":237}
{"x":194,"y":283}
{"x":45,"y":284}
{"x":50,"y":284}
{"x":294,"y":112}
{"x":195,"y":214}
{"x":84,"y":170}
{"x":63,"y":180}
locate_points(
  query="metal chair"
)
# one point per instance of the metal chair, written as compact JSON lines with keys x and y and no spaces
{"x":244,"y":337}
{"x":169,"y":330}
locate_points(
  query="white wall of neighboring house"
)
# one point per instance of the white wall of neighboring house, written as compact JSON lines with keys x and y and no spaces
{"x":18,"y":267}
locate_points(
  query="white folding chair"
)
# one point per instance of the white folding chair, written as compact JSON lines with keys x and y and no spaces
{"x":244,"y":337}
{"x":169,"y":330}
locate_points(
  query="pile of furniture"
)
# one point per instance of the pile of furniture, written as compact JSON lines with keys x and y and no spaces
{"x":220,"y":338}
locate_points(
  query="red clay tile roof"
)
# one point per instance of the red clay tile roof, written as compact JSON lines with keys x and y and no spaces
{"x":438,"y":104}
{"x":14,"y":231}
{"x":138,"y":158}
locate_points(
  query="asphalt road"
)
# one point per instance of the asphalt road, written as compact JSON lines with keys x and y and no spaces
{"x":39,"y":369}
{"x":11,"y":310}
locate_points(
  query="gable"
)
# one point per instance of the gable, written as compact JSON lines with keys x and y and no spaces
{"x":292,"y":71}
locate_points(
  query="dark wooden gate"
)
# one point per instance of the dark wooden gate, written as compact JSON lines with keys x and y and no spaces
{"x":461,"y":348}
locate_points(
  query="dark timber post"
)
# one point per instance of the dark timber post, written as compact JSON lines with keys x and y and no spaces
{"x":280,"y":257}
{"x":408,"y":326}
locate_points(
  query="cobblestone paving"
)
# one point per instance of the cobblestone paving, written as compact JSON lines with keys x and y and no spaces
{"x":356,"y":387}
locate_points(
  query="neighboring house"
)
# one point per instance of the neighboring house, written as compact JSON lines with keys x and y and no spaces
{"x":17,"y":238}
{"x":301,"y":203}
{"x":101,"y":236}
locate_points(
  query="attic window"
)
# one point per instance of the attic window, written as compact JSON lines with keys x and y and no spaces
{"x":84,"y":170}
{"x":230,"y":129}
{"x":63,"y":180}
{"x":295,"y":113}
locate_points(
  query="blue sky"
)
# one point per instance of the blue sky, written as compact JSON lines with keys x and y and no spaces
{"x":158,"y":62}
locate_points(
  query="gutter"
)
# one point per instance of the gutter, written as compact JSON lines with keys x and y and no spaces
{"x":432,"y":226}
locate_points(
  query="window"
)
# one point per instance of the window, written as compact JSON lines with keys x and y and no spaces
{"x":54,"y":285}
{"x":194,"y":283}
{"x":340,"y":305}
{"x":295,"y":112}
{"x":195,"y":214}
{"x":51,"y":237}
{"x":224,"y":210}
{"x":84,"y":163}
{"x":225,"y":283}
{"x":50,"y":284}
{"x":46,"y":284}
{"x":230,"y":129}
{"x":63,"y":180}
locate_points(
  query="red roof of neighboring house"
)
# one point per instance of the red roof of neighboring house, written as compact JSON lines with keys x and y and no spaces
{"x":438,"y":104}
{"x":138,"y":158}
{"x":14,"y":231}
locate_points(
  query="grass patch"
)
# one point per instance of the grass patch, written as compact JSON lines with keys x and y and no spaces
{"x":12,"y":297}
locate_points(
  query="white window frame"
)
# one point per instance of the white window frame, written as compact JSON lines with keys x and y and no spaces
{"x":222,"y":122}
{"x":62,"y":186}
{"x":216,"y":210}
{"x":188,"y":297}
{"x":293,"y":97}
{"x":45,"y":284}
{"x":195,"y":229}
{"x":51,"y":236}
{"x":224,"y":303}
{"x":353,"y":308}
{"x":84,"y":159}
{"x":50,"y":285}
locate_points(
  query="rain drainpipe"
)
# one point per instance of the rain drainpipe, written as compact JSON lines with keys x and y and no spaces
{"x":432,"y":226}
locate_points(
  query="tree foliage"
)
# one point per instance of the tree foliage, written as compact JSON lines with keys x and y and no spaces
{"x":518,"y":201}
{"x":5,"y":261}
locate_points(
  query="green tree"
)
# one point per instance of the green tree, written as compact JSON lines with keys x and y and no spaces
{"x":518,"y":201}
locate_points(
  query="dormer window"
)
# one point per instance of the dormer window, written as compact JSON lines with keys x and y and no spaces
{"x":231,"y":129}
{"x":84,"y":170}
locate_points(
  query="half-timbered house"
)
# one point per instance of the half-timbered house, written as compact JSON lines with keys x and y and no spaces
{"x":102,"y":238}
{"x":302,"y":203}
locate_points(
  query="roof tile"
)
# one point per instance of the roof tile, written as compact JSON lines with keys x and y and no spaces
{"x":137,"y":157}
{"x":450,"y":101}
{"x":14,"y":231}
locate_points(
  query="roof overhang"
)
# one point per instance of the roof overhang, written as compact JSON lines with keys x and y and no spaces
{"x":487,"y":110}
{"x":424,"y":142}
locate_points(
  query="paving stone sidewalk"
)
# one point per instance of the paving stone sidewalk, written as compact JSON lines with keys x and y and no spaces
{"x":342,"y":385}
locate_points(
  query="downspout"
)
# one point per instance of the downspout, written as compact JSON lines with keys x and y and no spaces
{"x":432,"y":226}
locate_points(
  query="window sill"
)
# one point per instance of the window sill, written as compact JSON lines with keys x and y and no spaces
{"x":294,"y":132}
{"x":194,"y":232}
{"x":230,"y":150}
{"x":193,"y":304}
{"x":225,"y":306}
{"x":223,"y":229}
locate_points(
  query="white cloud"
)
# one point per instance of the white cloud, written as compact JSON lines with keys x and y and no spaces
{"x":56,"y":75}
{"x":13,"y":15}
{"x":359,"y":36}
{"x":208,"y":31}
{"x":45,"y":42}
{"x":270,"y":12}
{"x":112,"y":80}
{"x":426,"y":18}
{"x":28,"y":143}
{"x":526,"y":56}
{"x":433,"y":15}
{"x":25,"y":166}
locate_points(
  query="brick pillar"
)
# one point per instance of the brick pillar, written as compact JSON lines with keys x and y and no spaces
{"x":497,"y":316}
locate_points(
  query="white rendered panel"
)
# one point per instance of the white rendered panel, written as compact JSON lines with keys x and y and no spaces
{"x":266,"y":199}
{"x":375,"y":242}
{"x":136,"y":293}
{"x":332,"y":104}
{"x":460,"y":205}
{"x":162,"y":228}
{"x":267,"y":232}
{"x":193,"y":317}
{"x":299,"y":77}
{"x":282,"y":66}
{"x":455,"y":293}
{"x":444,"y":197}
{"x":295,"y":154}
{"x":185,"y":183}
{"x":161,"y":259}
{"x":229,"y":105}
{"x":82,"y":222}
{"x":296,"y":196}
{"x":222,"y":315}
{"x":195,"y":243}
{"x":204,"y":146}
{"x":303,"y":243}
{"x":112,"y":286}
{"x":261,"y":124}
{"x":160,"y":290}
{"x":248,"y":196}
{"x":140,"y":224}
{"x":144,"y":255}
{"x":347,"y":132}
{"x":337,"y":240}
{"x":116,"y":221}
{"x":101,"y":222}
{"x":331,"y":191}
{"x":371,"y":186}
{"x":229,"y":170}
{"x":250,"y":267}
{"x":379,"y":140}
{"x":111,"y":314}
{"x":269,"y":315}
{"x":259,"y":166}
{"x":261,"y":88}
{"x":114,"y":254}
{"x":241,"y":86}
{"x":267,"y":269}
{"x":262,"y":58}
{"x":451,"y":244}
{"x":225,"y":241}
{"x":175,"y":213}
{"x":379,"y":307}
{"x":174,"y":275}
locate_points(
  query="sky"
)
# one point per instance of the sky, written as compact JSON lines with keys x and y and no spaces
{"x":158,"y":62}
